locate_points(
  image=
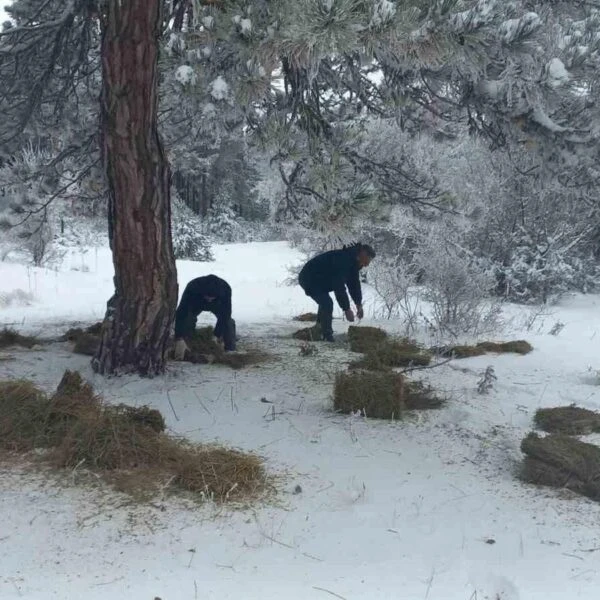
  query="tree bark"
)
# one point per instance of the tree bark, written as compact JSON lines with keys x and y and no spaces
{"x":137,"y":325}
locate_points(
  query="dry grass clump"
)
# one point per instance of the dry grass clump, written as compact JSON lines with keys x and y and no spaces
{"x":23,"y":414}
{"x":306,"y":317}
{"x":124,"y":445}
{"x":309,"y":334}
{"x":10,"y":337}
{"x":87,"y":344}
{"x":570,"y":420}
{"x":379,"y":395}
{"x":392,"y":353}
{"x":420,"y":396}
{"x":466,"y":351}
{"x":365,"y":339}
{"x":203,"y":349}
{"x":561,"y":461}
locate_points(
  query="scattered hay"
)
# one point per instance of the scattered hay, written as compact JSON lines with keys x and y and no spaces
{"x":306,"y":317}
{"x":203,"y":349}
{"x":309,"y":334}
{"x":23,"y":414}
{"x":378,"y":395}
{"x":561,"y":461}
{"x":10,"y":337}
{"x":365,"y":339}
{"x":124,"y":445}
{"x":570,"y":420}
{"x":419,"y":396}
{"x":466,"y":351}
{"x":87,"y":344}
{"x":72,"y":334}
{"x":392,"y":353}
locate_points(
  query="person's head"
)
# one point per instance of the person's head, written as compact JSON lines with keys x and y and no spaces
{"x":365,"y":255}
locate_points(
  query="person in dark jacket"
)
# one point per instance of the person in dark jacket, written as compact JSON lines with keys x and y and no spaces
{"x":333,"y":271}
{"x":209,"y":293}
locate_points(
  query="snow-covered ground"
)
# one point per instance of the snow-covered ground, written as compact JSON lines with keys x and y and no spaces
{"x":424,"y":509}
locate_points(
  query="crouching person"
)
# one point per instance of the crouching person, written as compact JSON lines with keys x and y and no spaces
{"x":209,"y":293}
{"x":334,"y":271}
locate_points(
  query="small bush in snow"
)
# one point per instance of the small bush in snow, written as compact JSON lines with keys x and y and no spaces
{"x":457,"y":287}
{"x":486,"y":382}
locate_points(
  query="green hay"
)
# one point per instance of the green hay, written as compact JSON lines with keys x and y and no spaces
{"x":561,"y":461}
{"x":124,"y":445}
{"x":392,"y":353}
{"x":466,"y":351}
{"x":378,"y":395}
{"x":364,"y":339}
{"x":309,"y":334}
{"x":570,"y":420}
{"x":306,"y":317}
{"x":10,"y":337}
{"x":72,"y":334}
{"x":419,"y":396}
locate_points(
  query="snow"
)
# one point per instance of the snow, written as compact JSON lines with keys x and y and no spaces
{"x":557,"y":73}
{"x":219,"y":89}
{"x":185,"y":75}
{"x":425,"y":508}
{"x":246,"y":26}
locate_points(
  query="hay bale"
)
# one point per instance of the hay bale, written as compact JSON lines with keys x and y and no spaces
{"x":309,"y":334}
{"x":419,"y":396}
{"x":392,"y":353}
{"x":306,"y":317}
{"x":23,"y":415}
{"x":86,"y":343}
{"x":377,"y":394}
{"x":364,"y":339}
{"x":570,"y":420}
{"x":467,"y":351}
{"x":516,"y":346}
{"x":145,"y":416}
{"x":95,"y":329}
{"x":10,"y":337}
{"x":562,"y":461}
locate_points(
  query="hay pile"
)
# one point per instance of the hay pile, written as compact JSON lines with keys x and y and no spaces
{"x":10,"y":337}
{"x":570,"y":420}
{"x":561,"y":461}
{"x":86,"y":341}
{"x":381,"y":395}
{"x":309,"y":334}
{"x":376,"y":395}
{"x":465,"y":351}
{"x":392,"y":353}
{"x":125,"y":445}
{"x":203,"y":349}
{"x":306,"y":317}
{"x":365,"y":339}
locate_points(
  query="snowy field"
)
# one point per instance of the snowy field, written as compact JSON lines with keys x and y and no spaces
{"x":424,"y":509}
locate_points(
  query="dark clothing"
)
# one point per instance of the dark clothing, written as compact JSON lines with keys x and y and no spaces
{"x":212,"y":294}
{"x":331,"y":272}
{"x":325,"y":314}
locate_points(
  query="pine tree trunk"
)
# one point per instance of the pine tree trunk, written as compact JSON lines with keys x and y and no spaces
{"x":139,"y":315}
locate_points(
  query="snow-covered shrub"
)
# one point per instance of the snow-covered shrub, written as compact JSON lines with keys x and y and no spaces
{"x":189,"y":240}
{"x":458,"y":287}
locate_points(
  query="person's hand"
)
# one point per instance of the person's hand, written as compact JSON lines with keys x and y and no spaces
{"x":360,"y":313}
{"x":349,"y":315}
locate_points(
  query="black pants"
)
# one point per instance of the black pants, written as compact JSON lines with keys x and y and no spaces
{"x":325,"y":312}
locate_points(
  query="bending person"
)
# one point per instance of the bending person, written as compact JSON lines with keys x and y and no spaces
{"x":209,"y":293}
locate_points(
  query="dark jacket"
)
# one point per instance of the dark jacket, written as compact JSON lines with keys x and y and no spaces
{"x":331,"y":272}
{"x":193,"y":302}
